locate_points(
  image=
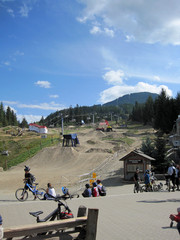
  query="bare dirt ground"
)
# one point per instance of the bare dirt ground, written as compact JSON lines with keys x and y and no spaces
{"x":97,"y":152}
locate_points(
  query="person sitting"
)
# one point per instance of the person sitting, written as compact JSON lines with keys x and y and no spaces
{"x":176,"y":218}
{"x":50,"y":192}
{"x":87,"y":191}
{"x":101,"y":188}
{"x":95,"y":192}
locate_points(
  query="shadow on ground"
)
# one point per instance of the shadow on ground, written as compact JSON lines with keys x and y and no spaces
{"x":160,"y":201}
{"x":115,"y":178}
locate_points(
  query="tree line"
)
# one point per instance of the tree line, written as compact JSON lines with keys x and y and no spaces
{"x":8,"y":117}
{"x":161,"y":113}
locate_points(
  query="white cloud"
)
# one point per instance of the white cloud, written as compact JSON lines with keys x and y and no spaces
{"x":115,"y":92}
{"x":44,"y":106}
{"x":43,"y":84}
{"x":114,"y":77}
{"x":29,"y":118}
{"x":95,"y":30}
{"x":24,"y":10}
{"x":142,"y":20}
{"x":105,"y":31}
{"x":54,"y":96}
{"x":120,"y":88}
{"x":11,"y":12}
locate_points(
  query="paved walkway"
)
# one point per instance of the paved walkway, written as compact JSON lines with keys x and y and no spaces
{"x":122,"y":214}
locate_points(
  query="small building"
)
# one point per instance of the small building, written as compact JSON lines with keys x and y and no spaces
{"x":133,"y":160}
{"x":36,"y":128}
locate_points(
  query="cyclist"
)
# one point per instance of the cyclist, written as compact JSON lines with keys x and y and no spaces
{"x":172,"y":174}
{"x":136,"y":179}
{"x":147,"y":180}
{"x":101,"y":188}
{"x":28,"y":178}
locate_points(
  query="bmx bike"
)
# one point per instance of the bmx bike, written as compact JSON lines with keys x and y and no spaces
{"x":61,"y":212}
{"x":22,"y":193}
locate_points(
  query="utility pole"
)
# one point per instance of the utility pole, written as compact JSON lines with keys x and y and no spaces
{"x":62,"y":127}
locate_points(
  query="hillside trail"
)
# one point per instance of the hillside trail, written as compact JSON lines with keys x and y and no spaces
{"x":97,"y":152}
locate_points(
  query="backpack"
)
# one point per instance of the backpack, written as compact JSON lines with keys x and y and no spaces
{"x":174,"y":172}
{"x":33,"y":179}
{"x":102,"y":192}
{"x":95,"y":192}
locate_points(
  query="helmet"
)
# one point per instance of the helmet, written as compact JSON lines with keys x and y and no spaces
{"x":64,"y":190}
{"x":98,"y":181}
{"x":27,"y":169}
{"x":94,"y":184}
{"x":147,"y":171}
{"x":87,"y":185}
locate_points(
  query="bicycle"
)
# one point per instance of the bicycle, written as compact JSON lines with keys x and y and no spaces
{"x":22,"y":193}
{"x":137,"y":187}
{"x":57,"y":213}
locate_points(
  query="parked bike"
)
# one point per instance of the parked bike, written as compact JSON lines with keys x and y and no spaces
{"x":57,"y":213}
{"x":22,"y":193}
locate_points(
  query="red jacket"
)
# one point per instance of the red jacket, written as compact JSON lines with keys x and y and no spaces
{"x":176,"y":217}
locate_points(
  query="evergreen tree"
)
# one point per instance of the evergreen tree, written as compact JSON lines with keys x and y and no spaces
{"x":160,"y":153}
{"x":24,"y":123}
{"x":147,"y":147}
{"x":148,"y":111}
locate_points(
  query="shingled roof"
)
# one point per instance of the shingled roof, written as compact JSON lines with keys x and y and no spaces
{"x":137,"y":152}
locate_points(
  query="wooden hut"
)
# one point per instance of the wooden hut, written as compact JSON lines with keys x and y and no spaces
{"x":133,"y":160}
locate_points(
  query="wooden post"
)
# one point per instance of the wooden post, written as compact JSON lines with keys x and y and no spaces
{"x":81,"y":211}
{"x":92,"y":224}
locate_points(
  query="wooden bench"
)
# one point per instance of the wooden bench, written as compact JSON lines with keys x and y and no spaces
{"x":58,"y":228}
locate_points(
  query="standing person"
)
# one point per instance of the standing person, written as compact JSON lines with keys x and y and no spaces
{"x":147,"y":180}
{"x":87,"y":191}
{"x":177,"y":177}
{"x":28,"y":178}
{"x":136,"y":179}
{"x":50,"y":192}
{"x":1,"y":228}
{"x":95,"y":192}
{"x":172,"y":174}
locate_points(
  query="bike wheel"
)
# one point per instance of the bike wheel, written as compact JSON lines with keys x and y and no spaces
{"x":21,"y":194}
{"x":40,"y":193}
{"x":143,"y":188}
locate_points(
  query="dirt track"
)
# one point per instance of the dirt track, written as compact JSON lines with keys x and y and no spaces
{"x":64,"y":165}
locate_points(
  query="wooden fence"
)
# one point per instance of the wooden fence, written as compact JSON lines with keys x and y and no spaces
{"x":85,"y":226}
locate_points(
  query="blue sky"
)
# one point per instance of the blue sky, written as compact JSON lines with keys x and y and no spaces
{"x":58,"y":53}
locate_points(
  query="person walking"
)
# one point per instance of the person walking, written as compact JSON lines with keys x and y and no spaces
{"x":172,"y":174}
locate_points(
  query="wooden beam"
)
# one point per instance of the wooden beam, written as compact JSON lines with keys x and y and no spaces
{"x":27,"y":230}
{"x":92,"y":224}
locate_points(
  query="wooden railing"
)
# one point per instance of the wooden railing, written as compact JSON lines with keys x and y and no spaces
{"x":85,"y":224}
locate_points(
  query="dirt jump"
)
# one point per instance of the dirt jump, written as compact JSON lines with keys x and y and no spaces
{"x":97,"y":152}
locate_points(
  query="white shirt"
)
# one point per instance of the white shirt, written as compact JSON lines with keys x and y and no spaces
{"x":170,"y":170}
{"x":52,"y":192}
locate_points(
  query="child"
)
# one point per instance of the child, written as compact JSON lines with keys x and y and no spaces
{"x":176,"y":218}
{"x":50,"y":192}
{"x":87,"y":191}
{"x":95,"y":191}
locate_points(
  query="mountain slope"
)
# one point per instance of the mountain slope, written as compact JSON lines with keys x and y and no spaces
{"x":131,"y":99}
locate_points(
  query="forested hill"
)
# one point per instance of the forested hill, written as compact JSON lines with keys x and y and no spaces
{"x":131,"y":99}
